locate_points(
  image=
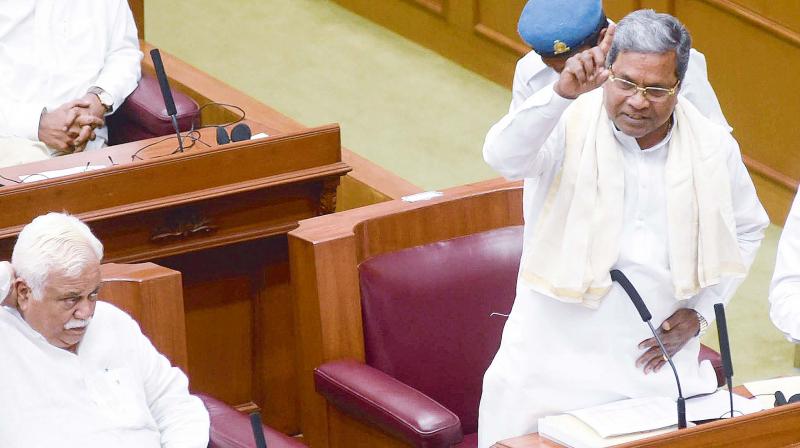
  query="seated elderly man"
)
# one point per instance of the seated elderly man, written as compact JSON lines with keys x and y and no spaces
{"x":67,"y":65}
{"x":622,"y":173}
{"x":76,"y":371}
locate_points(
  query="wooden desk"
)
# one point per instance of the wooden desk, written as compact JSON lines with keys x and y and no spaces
{"x":776,"y":427}
{"x":219,"y":216}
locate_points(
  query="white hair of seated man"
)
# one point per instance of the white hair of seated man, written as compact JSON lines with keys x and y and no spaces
{"x":55,"y":241}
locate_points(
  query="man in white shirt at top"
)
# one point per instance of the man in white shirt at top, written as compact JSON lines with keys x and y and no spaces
{"x":621,"y":172}
{"x":542,"y":25}
{"x":75,"y":371}
{"x":66,"y":66}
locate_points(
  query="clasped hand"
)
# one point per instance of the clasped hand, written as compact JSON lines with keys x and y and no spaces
{"x":674,"y":332}
{"x":69,"y":127}
{"x":585,"y":71}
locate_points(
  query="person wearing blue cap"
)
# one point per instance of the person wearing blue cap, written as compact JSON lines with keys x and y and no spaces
{"x":621,"y":173}
{"x":558,"y":29}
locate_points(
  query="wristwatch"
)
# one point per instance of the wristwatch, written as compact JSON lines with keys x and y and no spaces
{"x":105,"y":98}
{"x":703,"y":324}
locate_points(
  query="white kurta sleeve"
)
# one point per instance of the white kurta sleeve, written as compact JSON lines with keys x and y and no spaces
{"x":182,"y":419}
{"x":698,"y":90}
{"x":751,"y":220}
{"x":122,"y":65}
{"x":784,"y":291}
{"x":515,"y":145}
{"x":520,"y":90}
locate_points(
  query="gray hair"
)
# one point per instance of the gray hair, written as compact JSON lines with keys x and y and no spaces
{"x":55,"y":242}
{"x":646,"y":31}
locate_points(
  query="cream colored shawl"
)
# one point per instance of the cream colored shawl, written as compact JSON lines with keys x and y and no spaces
{"x":576,"y":238}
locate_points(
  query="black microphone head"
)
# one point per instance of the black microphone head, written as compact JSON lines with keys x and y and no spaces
{"x":222,"y":136}
{"x":724,"y":344}
{"x":780,"y":399}
{"x":619,"y":277}
{"x":240,"y":132}
{"x":163,"y":82}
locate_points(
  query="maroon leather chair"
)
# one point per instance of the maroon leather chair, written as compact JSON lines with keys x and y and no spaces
{"x":429,"y":338}
{"x":143,"y":115}
{"x":231,"y":429}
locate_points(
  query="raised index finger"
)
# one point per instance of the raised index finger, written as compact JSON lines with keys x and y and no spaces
{"x":605,"y":44}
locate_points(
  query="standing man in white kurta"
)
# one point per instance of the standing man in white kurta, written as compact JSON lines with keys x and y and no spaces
{"x":77,"y":372}
{"x":66,"y":66}
{"x":621,"y":173}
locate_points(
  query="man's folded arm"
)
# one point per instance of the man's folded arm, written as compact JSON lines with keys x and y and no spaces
{"x":519,"y":145}
{"x":122,"y":66}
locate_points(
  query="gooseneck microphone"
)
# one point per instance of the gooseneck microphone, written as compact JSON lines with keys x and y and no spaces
{"x":166,"y":93}
{"x":724,"y":348}
{"x":258,"y":430}
{"x":619,"y":277}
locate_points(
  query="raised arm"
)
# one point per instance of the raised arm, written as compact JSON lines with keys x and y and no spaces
{"x":523,"y":143}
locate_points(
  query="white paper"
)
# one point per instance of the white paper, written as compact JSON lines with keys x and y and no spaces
{"x":718,"y":405}
{"x":58,"y":173}
{"x":424,"y":196}
{"x":259,"y":135}
{"x":629,"y":416}
{"x":765,"y":390}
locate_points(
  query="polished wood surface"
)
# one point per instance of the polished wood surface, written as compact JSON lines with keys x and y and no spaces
{"x":219,"y":215}
{"x":366,"y":184}
{"x":768,"y":429}
{"x":324,"y":257}
{"x":738,"y":37}
{"x":152,"y":295}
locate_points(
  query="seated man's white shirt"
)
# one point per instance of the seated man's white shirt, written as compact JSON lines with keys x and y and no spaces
{"x":556,"y":356}
{"x":117,"y":391}
{"x":53,"y":51}
{"x":532,"y":75}
{"x":784,"y":294}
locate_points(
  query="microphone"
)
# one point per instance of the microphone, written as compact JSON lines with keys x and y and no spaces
{"x":258,"y":431}
{"x":619,"y":277}
{"x":724,"y":348}
{"x":169,"y":102}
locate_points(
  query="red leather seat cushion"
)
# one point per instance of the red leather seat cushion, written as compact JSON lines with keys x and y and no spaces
{"x":426,"y":314}
{"x":143,"y":114}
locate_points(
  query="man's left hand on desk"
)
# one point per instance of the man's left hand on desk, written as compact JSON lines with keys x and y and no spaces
{"x":674,"y":332}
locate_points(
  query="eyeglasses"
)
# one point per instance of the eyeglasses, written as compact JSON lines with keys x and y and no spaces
{"x":654,"y":94}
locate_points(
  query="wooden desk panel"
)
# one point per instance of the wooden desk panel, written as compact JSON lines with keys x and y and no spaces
{"x":776,"y":427}
{"x":219,"y":216}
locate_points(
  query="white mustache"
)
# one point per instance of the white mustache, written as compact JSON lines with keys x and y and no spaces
{"x":77,"y":323}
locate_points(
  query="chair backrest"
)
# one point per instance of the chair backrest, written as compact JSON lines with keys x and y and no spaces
{"x":426,"y":314}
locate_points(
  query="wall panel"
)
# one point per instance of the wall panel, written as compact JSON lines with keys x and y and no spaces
{"x":753,"y":69}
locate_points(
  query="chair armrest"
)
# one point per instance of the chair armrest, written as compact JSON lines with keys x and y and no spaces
{"x":707,"y":353}
{"x":231,"y":429}
{"x":144,"y":111}
{"x":375,"y":398}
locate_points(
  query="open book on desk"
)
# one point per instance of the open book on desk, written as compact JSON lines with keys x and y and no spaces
{"x":612,"y":423}
{"x":633,"y":419}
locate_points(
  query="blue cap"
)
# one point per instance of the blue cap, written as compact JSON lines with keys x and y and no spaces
{"x":556,"y":27}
